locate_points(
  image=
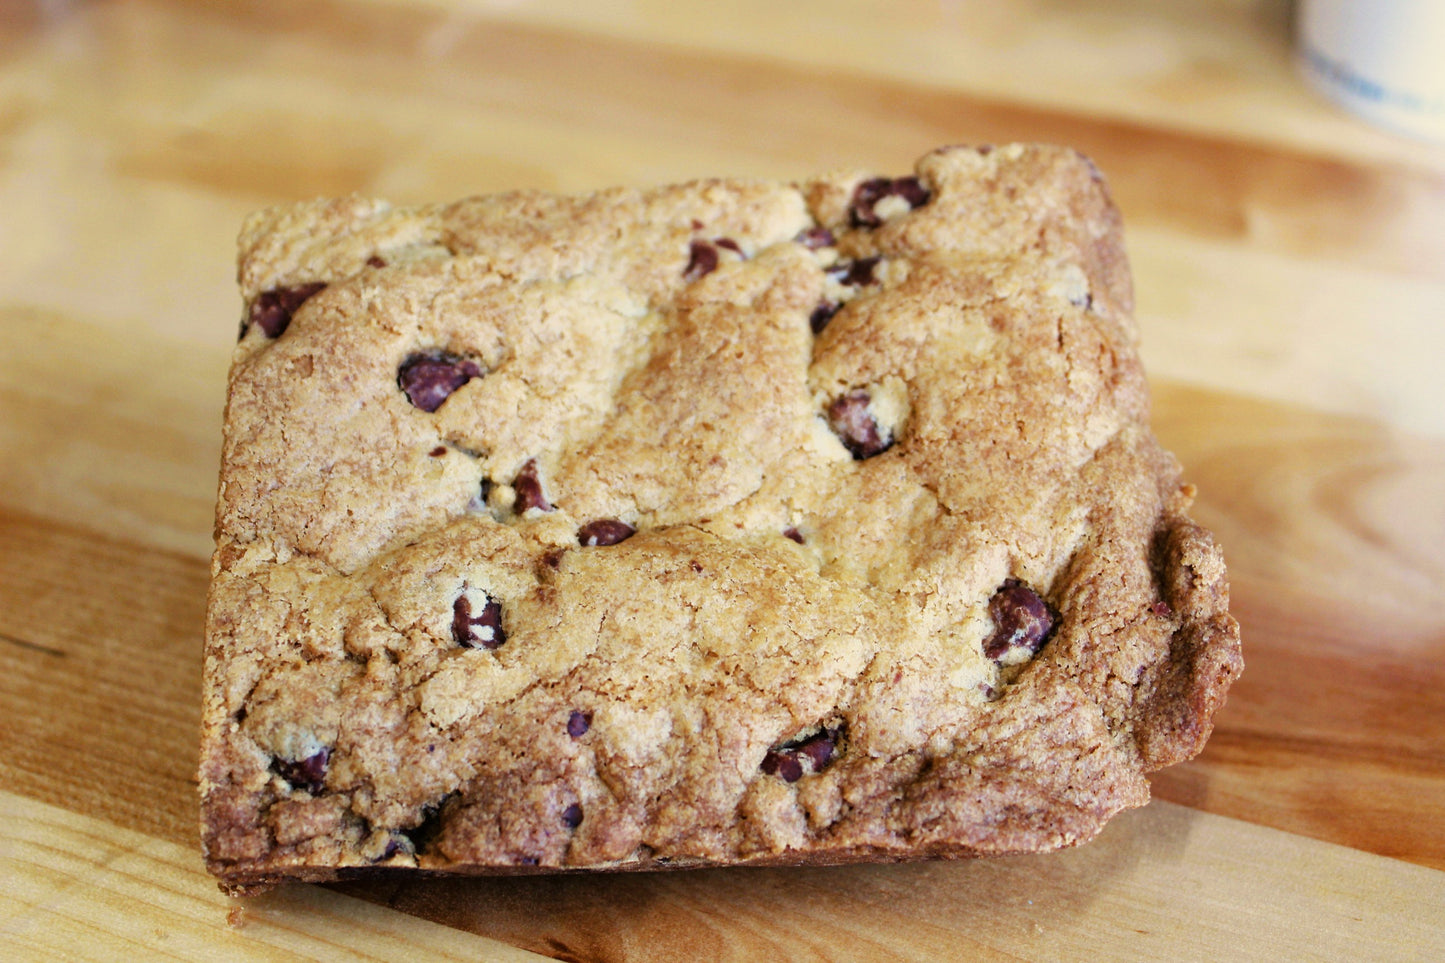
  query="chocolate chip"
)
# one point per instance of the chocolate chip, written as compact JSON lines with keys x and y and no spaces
{"x":791,"y":760}
{"x":819,"y":749}
{"x":815,"y":238}
{"x":1022,"y":623}
{"x":438,"y":451}
{"x":822,"y":314}
{"x":272,"y":310}
{"x":783,"y":765}
{"x":376,"y":261}
{"x":856,"y":427}
{"x":702,"y":260}
{"x":483,"y":629}
{"x":578,"y":723}
{"x":728,"y":243}
{"x":529,"y":489}
{"x":308,"y":774}
{"x":429,"y":379}
{"x":867,"y":195}
{"x":794,"y":534}
{"x":604,"y":531}
{"x":572,"y":816}
{"x":856,"y":273}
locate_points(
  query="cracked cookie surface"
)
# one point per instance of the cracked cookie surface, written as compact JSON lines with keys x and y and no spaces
{"x":727,"y":522}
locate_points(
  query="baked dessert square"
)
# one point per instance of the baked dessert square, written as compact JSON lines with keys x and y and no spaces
{"x":724,"y":523}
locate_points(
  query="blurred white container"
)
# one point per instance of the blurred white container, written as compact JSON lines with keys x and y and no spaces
{"x":1382,"y":59}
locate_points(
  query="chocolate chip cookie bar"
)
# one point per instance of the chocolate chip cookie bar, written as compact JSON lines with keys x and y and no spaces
{"x":726,"y":523}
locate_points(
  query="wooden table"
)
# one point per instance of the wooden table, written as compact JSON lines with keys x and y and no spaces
{"x":1290,"y":268}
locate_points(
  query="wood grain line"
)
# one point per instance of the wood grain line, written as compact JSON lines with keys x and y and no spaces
{"x":1127,"y":895}
{"x":111,"y":730}
{"x":32,"y":646}
{"x":73,"y":887}
{"x":1266,"y":196}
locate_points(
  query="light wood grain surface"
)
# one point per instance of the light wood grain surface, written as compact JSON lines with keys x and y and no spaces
{"x":1290,"y":275}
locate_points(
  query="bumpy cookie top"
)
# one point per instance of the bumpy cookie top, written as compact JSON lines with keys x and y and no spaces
{"x":722,"y":522}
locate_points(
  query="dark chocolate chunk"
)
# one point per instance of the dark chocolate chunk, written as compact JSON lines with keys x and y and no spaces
{"x":783,"y":765}
{"x":794,"y":534}
{"x":1022,"y":622}
{"x":308,"y":774}
{"x":272,"y":310}
{"x":529,"y":489}
{"x":817,"y":750}
{"x":867,"y":195}
{"x":482,"y":629}
{"x":578,"y":723}
{"x":856,"y":427}
{"x":429,"y":379}
{"x":791,"y":760}
{"x":604,"y":531}
{"x":822,"y":314}
{"x":376,"y":261}
{"x":572,"y":816}
{"x":855,"y":273}
{"x":702,"y":260}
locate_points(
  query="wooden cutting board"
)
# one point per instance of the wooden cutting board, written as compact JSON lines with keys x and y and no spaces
{"x":1290,"y":271}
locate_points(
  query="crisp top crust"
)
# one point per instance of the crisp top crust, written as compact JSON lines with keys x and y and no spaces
{"x":724,"y":522}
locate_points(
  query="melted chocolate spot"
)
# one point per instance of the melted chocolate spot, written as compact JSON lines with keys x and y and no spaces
{"x":702,"y":260}
{"x":604,"y":531}
{"x":822,"y":314}
{"x":1022,"y":622}
{"x":429,"y":379}
{"x":869,"y":193}
{"x":483,"y":629}
{"x":856,"y":427}
{"x":790,"y":761}
{"x":529,"y":489}
{"x":578,"y":723}
{"x":273,"y":309}
{"x":855,"y":273}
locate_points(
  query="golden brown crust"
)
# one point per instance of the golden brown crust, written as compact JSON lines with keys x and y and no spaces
{"x":656,"y":529}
